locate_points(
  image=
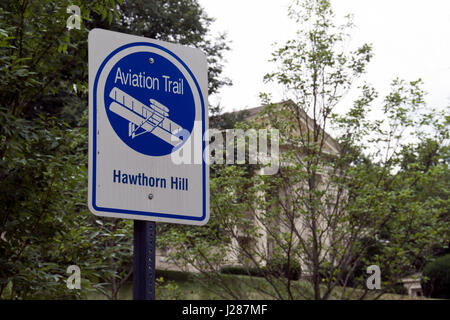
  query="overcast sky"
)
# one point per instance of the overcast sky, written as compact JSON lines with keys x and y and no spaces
{"x":411,"y":39}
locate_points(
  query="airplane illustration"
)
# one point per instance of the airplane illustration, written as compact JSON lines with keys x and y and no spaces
{"x":152,"y":119}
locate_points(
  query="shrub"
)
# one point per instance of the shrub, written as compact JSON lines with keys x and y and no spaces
{"x":240,"y":270}
{"x":282,"y":269}
{"x":438,"y":275}
{"x":273,"y":267}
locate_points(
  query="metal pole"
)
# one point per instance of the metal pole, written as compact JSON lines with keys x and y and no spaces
{"x":144,"y":260}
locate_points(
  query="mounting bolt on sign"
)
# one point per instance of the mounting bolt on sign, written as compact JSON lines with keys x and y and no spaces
{"x":147,"y":105}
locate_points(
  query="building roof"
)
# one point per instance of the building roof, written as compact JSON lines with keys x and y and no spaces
{"x":331,"y":145}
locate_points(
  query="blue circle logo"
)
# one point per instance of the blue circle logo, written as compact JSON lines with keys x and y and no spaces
{"x":149,"y":103}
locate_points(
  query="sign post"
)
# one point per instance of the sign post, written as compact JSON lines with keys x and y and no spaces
{"x":148,"y":116}
{"x":144,"y":260}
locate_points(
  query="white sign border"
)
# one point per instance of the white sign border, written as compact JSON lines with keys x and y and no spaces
{"x":132,"y":214}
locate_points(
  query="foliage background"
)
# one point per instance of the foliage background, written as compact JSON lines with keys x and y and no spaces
{"x":398,"y":190}
{"x":43,"y":140}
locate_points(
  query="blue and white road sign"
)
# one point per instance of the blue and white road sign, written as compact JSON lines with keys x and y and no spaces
{"x":147,"y":119}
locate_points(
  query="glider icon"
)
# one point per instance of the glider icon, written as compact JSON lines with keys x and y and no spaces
{"x":152,"y":119}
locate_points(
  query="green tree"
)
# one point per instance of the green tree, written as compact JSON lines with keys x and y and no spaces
{"x":43,"y":140}
{"x":338,"y":205}
{"x":42,"y":163}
